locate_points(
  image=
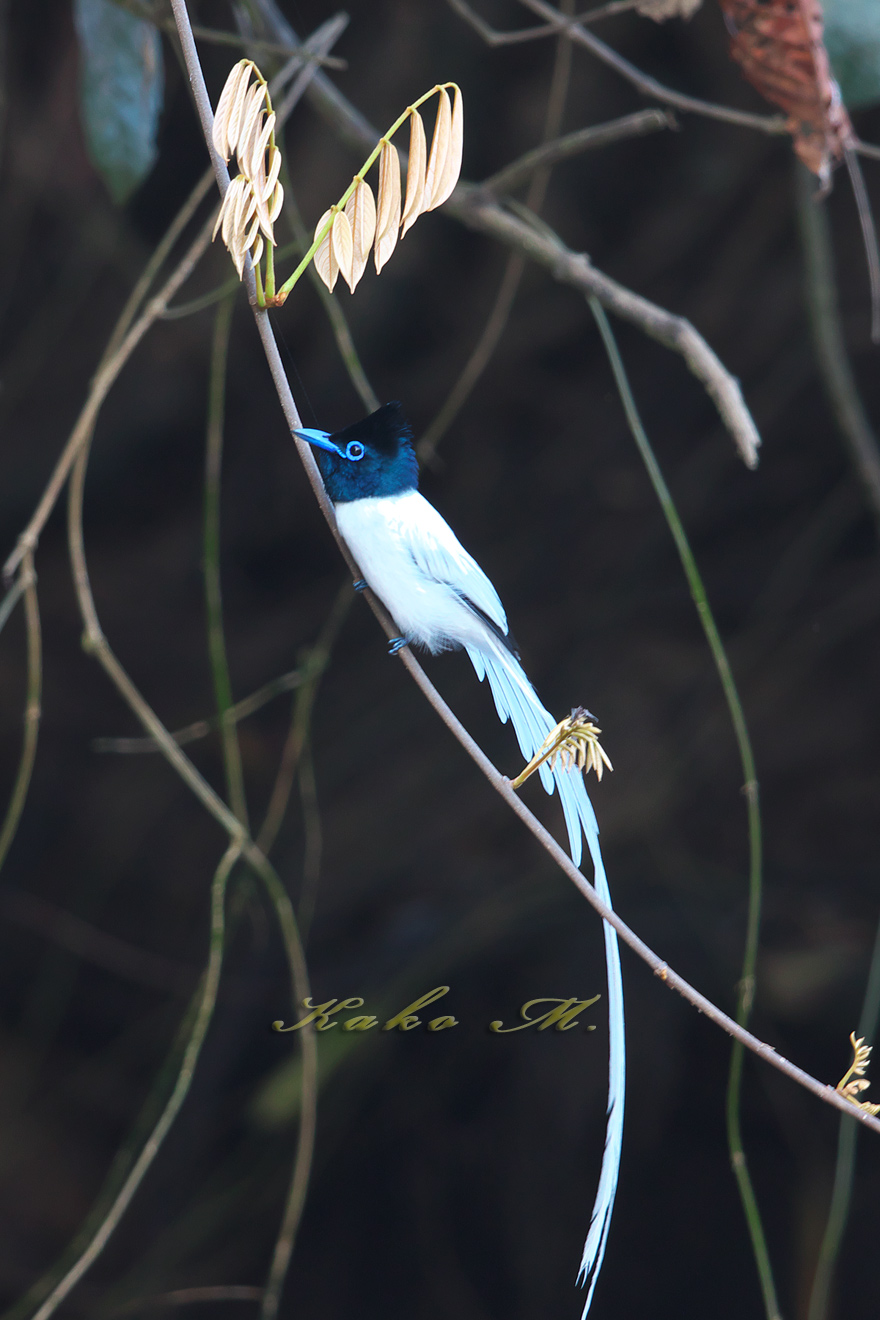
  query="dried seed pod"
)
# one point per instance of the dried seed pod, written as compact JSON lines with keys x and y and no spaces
{"x":342,"y":246}
{"x":415,"y":173}
{"x":452,"y":164}
{"x":361,"y":211}
{"x":388,"y":217}
{"x":325,"y":261}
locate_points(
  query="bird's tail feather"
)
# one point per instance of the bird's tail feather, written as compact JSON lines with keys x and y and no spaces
{"x":516,"y":699}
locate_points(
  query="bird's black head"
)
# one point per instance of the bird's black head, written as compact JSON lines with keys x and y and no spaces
{"x":370,"y":459}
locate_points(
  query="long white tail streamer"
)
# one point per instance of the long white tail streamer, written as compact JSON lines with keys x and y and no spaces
{"x":516,"y":700}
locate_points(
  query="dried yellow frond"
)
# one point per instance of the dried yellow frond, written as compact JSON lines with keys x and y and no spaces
{"x":388,"y":213}
{"x":574,"y":743}
{"x":414,"y":203}
{"x":361,"y":211}
{"x":852,"y":1082}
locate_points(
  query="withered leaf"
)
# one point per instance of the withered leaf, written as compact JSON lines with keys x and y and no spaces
{"x":452,"y":164}
{"x":361,"y":211}
{"x":342,"y":246}
{"x":325,"y":261}
{"x":415,"y":173}
{"x":388,"y":219}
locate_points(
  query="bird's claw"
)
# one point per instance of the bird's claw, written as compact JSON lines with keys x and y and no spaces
{"x":395,"y":644}
{"x":360,"y":584}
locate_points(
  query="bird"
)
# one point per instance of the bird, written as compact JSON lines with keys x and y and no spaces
{"x":440,"y":599}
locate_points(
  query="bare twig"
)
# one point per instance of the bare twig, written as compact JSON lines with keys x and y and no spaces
{"x":225,"y":1292}
{"x":201,"y":728}
{"x":643,"y":82}
{"x":235,"y":789}
{"x":336,"y":106}
{"x":746,"y":988}
{"x":28,"y":583}
{"x":576,"y":269}
{"x":831,"y":355}
{"x":573,"y":144}
{"x":85,"y":941}
{"x":492,"y":37}
{"x":485,"y":346}
{"x":175,"y":1100}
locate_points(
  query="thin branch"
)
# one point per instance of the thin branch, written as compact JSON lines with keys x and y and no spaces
{"x":483,"y":350}
{"x":103,"y":380}
{"x":844,"y":1169}
{"x":576,"y":269}
{"x":867,"y":149}
{"x":235,"y":789}
{"x":225,"y":1292}
{"x":573,"y":144}
{"x":85,"y":941}
{"x":27,"y":580}
{"x":831,"y":355}
{"x":643,"y":82}
{"x":219,"y":37}
{"x":314,"y":666}
{"x":175,"y":1100}
{"x":648,"y":86}
{"x":746,"y":988}
{"x":493,"y":37}
{"x":498,"y":781}
{"x":201,"y":728}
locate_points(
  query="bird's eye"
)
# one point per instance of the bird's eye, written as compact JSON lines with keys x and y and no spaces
{"x":354,"y":450}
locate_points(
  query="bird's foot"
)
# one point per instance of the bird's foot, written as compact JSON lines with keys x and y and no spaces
{"x":395,"y":644}
{"x":360,"y":584}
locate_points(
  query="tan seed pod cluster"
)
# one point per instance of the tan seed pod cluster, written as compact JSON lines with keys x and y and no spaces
{"x":574,"y":743}
{"x":853,"y":1081}
{"x":244,"y":127}
{"x":366,"y":223}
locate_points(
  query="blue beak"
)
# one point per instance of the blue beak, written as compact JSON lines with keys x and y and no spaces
{"x":319,"y":438}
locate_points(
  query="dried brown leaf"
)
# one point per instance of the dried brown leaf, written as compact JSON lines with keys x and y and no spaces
{"x":342,"y":246}
{"x":388,"y":217}
{"x":325,"y":261}
{"x":440,"y":144}
{"x":452,"y":164}
{"x":361,"y":211}
{"x":415,"y":173}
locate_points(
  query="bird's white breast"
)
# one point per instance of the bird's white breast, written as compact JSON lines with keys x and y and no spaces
{"x":414,"y":563}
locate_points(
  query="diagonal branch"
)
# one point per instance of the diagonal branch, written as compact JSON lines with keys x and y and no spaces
{"x":469,"y":205}
{"x":498,"y":781}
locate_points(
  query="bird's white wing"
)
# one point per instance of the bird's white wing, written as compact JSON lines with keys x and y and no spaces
{"x":440,"y":555}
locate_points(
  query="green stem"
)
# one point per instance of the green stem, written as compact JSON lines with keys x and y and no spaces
{"x":848,"y":1135}
{"x":213,"y":593}
{"x":746,"y":988}
{"x":835,"y":369}
{"x":371,"y":159}
{"x":175,"y":1100}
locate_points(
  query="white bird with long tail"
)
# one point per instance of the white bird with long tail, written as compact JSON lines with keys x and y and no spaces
{"x":441,"y":599}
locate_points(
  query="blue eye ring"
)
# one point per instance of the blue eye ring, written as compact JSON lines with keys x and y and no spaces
{"x":354,"y":450}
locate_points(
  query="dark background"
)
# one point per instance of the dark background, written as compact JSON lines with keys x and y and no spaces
{"x":454,"y":1173}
